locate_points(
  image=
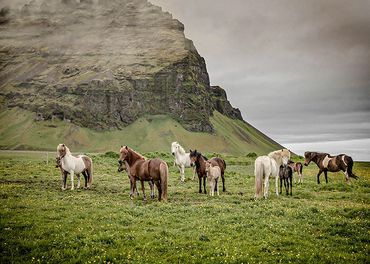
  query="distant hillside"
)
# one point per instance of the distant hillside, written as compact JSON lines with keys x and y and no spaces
{"x":152,"y":133}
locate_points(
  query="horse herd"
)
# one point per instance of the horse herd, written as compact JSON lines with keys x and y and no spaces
{"x":155,"y":171}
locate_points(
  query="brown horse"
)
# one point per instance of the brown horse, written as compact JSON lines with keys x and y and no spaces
{"x":326,"y":163}
{"x":123,"y":166}
{"x":296,"y":167}
{"x":145,"y":170}
{"x":200,"y":164}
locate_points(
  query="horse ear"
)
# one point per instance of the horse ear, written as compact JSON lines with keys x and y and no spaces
{"x":121,"y":146}
{"x":63,"y":145}
{"x":126,"y":147}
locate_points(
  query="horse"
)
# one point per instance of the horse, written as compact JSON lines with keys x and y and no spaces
{"x":123,"y":166}
{"x":200,"y":164}
{"x":182,"y":159}
{"x":326,"y":163}
{"x":75,"y":165}
{"x":296,"y":167}
{"x":145,"y":170}
{"x":213,"y":174}
{"x":286,"y":175}
{"x":264,"y":166}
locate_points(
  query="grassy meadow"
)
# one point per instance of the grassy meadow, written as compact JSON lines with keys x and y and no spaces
{"x":39,"y":223}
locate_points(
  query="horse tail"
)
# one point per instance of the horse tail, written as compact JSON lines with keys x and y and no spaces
{"x":349,"y":168}
{"x":91,"y":173}
{"x":300,"y":167}
{"x":224,"y":163}
{"x":258,"y":172}
{"x":163,"y":171}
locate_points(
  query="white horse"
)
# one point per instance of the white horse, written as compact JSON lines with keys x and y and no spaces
{"x":182,"y":159}
{"x":75,"y":165}
{"x":264,"y":166}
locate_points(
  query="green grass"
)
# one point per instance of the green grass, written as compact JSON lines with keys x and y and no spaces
{"x":18,"y":130}
{"x":327,"y":223}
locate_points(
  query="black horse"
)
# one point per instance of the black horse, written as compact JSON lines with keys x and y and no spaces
{"x":286,"y":175}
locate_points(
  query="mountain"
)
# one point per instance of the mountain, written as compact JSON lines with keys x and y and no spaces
{"x":104,"y":68}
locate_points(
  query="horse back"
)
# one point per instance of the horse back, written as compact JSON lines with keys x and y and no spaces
{"x":220,"y":163}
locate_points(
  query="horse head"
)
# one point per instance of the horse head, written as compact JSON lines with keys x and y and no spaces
{"x":174,"y":147}
{"x":308,"y":156}
{"x":121,"y":166}
{"x":193,"y":156}
{"x":62,"y":150}
{"x":123,"y":154}
{"x":208,"y":165}
{"x":58,"y":162}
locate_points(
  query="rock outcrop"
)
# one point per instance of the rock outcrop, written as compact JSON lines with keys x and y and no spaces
{"x":103,"y":64}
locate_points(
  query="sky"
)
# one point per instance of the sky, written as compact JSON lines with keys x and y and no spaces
{"x":299,"y":71}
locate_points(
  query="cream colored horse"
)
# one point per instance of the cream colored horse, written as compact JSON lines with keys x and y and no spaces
{"x":264,"y":166}
{"x":75,"y":165}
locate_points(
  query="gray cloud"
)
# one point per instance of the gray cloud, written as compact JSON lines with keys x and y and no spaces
{"x":299,"y":71}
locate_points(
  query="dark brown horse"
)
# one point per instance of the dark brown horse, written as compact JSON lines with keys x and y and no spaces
{"x":326,"y":163}
{"x":200,"y":164}
{"x":145,"y":170}
{"x":123,"y":166}
{"x":286,"y":176}
{"x":297,"y":167}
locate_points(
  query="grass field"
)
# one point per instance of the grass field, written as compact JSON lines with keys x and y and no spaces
{"x":327,"y":223}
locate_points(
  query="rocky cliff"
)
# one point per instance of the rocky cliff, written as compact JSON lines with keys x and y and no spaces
{"x":103,"y":64}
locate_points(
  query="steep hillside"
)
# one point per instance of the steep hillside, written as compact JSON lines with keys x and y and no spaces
{"x":104,"y":64}
{"x":150,"y":133}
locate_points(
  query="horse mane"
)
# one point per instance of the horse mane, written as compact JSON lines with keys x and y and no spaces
{"x":181,"y":149}
{"x":136,"y":153}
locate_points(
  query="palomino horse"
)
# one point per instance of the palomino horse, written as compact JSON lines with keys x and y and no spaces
{"x":296,"y":167}
{"x":326,"y":163}
{"x":286,"y":175}
{"x":264,"y":166}
{"x":182,"y":159}
{"x":123,"y":166}
{"x":145,"y":170}
{"x":200,"y":163}
{"x":75,"y":165}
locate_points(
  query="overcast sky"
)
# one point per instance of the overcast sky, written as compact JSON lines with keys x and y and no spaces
{"x":298,"y":70}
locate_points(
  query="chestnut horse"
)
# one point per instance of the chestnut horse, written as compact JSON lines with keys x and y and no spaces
{"x":122,"y":166}
{"x":326,"y":163}
{"x":145,"y":170}
{"x":200,"y":164}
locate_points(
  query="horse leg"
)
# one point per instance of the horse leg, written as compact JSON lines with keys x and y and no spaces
{"x":318,"y":176}
{"x":204,"y":185}
{"x":223,"y":182}
{"x":78,"y":181}
{"x":158,"y":184}
{"x":200,"y":184}
{"x":326,"y":176}
{"x":277,"y":185}
{"x":84,"y":173}
{"x":218,"y":192}
{"x":182,"y":173}
{"x":211,"y":188}
{"x":291,"y":185}
{"x":143,"y":190}
{"x":266,"y":191}
{"x":281,"y":185}
{"x":64,"y":180}
{"x":133,"y":187}
{"x":286,"y":190}
{"x":72,"y":175}
{"x":151,"y":184}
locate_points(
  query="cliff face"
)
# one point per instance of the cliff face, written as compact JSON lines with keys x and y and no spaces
{"x":104,"y":64}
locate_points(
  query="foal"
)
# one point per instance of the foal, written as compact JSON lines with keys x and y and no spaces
{"x":213,"y":174}
{"x":296,"y":167}
{"x":286,"y":175}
